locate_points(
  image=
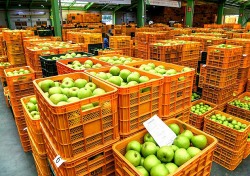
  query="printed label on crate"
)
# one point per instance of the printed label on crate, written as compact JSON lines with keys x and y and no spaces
{"x":161,"y":133}
{"x":110,"y":1}
{"x":58,"y":161}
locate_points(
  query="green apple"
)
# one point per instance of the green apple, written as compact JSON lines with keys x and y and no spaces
{"x":133,"y":157}
{"x":80,"y":83}
{"x":67,"y":84}
{"x":188,"y":134}
{"x":143,"y":79}
{"x":98,"y":91}
{"x":148,"y":148}
{"x":171,"y":167}
{"x":114,"y":70}
{"x":182,"y":142}
{"x":57,"y":84}
{"x":102,"y":75}
{"x":199,"y":141}
{"x":151,"y":161}
{"x":124,"y":73}
{"x":192,"y":151}
{"x":142,"y":171}
{"x":134,"y":145}
{"x":175,"y":128}
{"x":149,"y":138}
{"x":133,"y":77}
{"x":31,"y":107}
{"x":181,"y":156}
{"x":73,"y":91}
{"x":84,"y":93}
{"x":90,"y":86}
{"x":109,"y":75}
{"x":132,"y":83}
{"x":159,"y":170}
{"x":142,"y":161}
{"x":87,"y":106}
{"x":165,"y":154}
{"x":56,"y":98}
{"x":89,"y":62}
{"x":115,"y":80}
{"x":174,"y":147}
{"x":73,"y":99}
{"x":55,"y":90}
{"x":65,"y":91}
{"x":33,"y":100}
{"x":36,"y":117}
{"x":46,"y":85}
{"x":33,"y":113}
{"x":67,"y":79}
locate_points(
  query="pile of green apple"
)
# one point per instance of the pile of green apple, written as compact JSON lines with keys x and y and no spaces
{"x":247,"y":98}
{"x":41,"y":48}
{"x":33,"y":109}
{"x":200,"y":108}
{"x":162,"y":70}
{"x":18,"y":72}
{"x":240,"y":104}
{"x":67,"y":56}
{"x":122,"y":77}
{"x":224,"y":46}
{"x":69,"y":90}
{"x":116,"y":60}
{"x":77,"y":65}
{"x":228,"y":121}
{"x":5,"y":64}
{"x":150,"y":159}
{"x":248,"y":137}
{"x":195,"y":96}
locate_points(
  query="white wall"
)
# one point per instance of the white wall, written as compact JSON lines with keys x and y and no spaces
{"x":2,"y":18}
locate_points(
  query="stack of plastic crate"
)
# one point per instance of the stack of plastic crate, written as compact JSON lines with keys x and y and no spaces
{"x":80,"y":137}
{"x":144,"y":39}
{"x":121,"y":43}
{"x":20,"y":85}
{"x":244,"y":63}
{"x":35,"y":135}
{"x":15,"y":50}
{"x":220,"y":73}
{"x":232,"y":138}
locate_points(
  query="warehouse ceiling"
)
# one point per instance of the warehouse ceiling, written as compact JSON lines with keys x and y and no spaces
{"x":82,"y":5}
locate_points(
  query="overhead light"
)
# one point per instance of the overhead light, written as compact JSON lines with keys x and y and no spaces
{"x":19,"y":5}
{"x":42,"y":5}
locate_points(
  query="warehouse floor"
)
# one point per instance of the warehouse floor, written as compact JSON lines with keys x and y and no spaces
{"x":13,"y":161}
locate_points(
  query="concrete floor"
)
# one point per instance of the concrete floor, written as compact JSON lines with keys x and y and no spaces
{"x":14,"y":162}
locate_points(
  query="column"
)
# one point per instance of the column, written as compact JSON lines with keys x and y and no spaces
{"x":189,"y":13}
{"x":140,"y":13}
{"x":220,"y":12}
{"x":56,"y":18}
{"x":7,"y":14}
{"x":241,"y":16}
{"x":113,"y":17}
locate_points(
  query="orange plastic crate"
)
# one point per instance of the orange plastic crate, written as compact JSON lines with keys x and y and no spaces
{"x":16,"y":59}
{"x":199,"y":165}
{"x":231,"y":138}
{"x":104,"y":52}
{"x":3,"y":59}
{"x":20,"y":82}
{"x":6,"y":96}
{"x":68,"y":50}
{"x":39,"y":74}
{"x":227,"y":157}
{"x":237,"y":111}
{"x":176,"y":94}
{"x":198,"y":120}
{"x":247,"y":150}
{"x":217,"y":95}
{"x":119,"y":41}
{"x":15,"y":48}
{"x":10,"y":35}
{"x":95,"y":162}
{"x":135,"y":107}
{"x":40,"y":159}
{"x":242,"y":73}
{"x":111,"y":55}
{"x":2,"y":70}
{"x":74,"y":131}
{"x":193,"y":63}
{"x":34,"y":127}
{"x":62,"y":67}
{"x":220,"y":77}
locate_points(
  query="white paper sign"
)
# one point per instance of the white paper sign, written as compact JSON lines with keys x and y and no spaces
{"x":161,"y":133}
{"x":58,"y":161}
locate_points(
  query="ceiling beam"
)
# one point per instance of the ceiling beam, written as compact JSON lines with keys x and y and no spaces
{"x":32,"y":3}
{"x":133,"y":6}
{"x":104,"y":7}
{"x":71,"y":3}
{"x":87,"y":6}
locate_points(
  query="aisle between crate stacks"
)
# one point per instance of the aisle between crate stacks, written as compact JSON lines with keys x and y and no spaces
{"x":232,"y":142}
